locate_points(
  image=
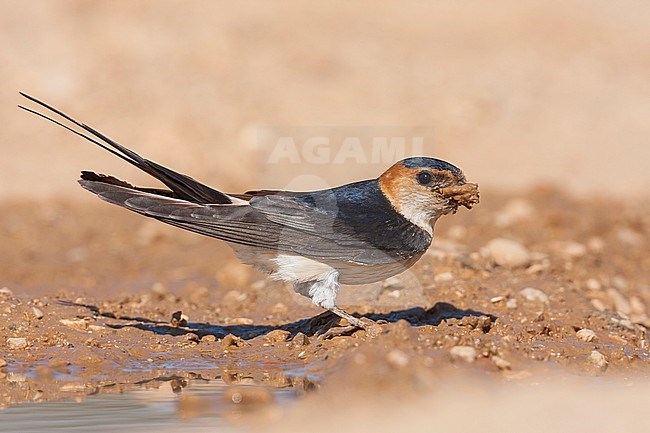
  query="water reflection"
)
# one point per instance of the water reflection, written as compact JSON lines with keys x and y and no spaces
{"x":163,"y":404}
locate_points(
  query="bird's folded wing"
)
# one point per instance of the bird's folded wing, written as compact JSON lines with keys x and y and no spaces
{"x":294,"y":227}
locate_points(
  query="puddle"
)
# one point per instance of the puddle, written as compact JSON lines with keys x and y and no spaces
{"x":176,"y":405}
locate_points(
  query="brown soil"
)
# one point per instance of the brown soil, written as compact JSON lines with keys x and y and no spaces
{"x":107,"y":300}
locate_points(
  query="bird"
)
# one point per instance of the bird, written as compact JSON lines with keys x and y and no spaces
{"x":357,"y":233}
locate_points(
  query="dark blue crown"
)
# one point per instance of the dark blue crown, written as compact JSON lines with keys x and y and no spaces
{"x":436,"y":164}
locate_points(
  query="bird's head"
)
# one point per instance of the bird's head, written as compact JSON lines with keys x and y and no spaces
{"x":423,"y":189}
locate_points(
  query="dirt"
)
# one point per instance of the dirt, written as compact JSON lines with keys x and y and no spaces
{"x":531,"y":309}
{"x":106,"y":301}
{"x":465,"y":195}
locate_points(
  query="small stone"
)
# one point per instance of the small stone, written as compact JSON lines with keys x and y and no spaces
{"x":16,"y":343}
{"x":593,"y":284}
{"x":37,"y":313}
{"x":159,"y":289}
{"x":587,"y":335}
{"x":397,"y":358}
{"x":393,"y":283}
{"x":511,"y":304}
{"x":299,"y":339}
{"x":621,"y":304}
{"x":277,"y":336}
{"x":5,"y":291}
{"x":596,"y":244}
{"x":3,"y":363}
{"x":534,"y":295}
{"x":598,"y":305}
{"x":629,"y":236}
{"x":508,"y":253}
{"x":191,"y":336}
{"x":443,"y":277}
{"x":570,"y":249}
{"x":537,"y":268}
{"x":178,"y":319}
{"x":395,"y":294}
{"x":78,"y":324}
{"x":209,"y":338}
{"x":465,"y":353}
{"x":232,"y":341}
{"x":598,"y":361}
{"x":501,"y":363}
{"x":496,"y":299}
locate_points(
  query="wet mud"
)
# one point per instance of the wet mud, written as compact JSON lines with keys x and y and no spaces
{"x":96,"y":300}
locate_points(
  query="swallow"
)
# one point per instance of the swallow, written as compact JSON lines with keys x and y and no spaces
{"x":357,"y":233}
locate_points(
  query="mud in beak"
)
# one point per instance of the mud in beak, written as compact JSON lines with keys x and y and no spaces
{"x":465,"y":194}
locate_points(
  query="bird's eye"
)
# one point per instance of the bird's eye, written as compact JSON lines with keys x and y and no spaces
{"x":424,"y":177}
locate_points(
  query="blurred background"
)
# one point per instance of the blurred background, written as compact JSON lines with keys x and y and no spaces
{"x":516,"y":93}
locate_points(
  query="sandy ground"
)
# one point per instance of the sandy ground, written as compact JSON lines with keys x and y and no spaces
{"x":544,"y":105}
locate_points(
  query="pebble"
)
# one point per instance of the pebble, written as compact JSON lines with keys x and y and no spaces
{"x":3,"y":363}
{"x":533,"y":294}
{"x":511,"y":304}
{"x":598,"y":360}
{"x":593,"y":284}
{"x":16,"y":343}
{"x":465,"y":353}
{"x":78,"y":324}
{"x":277,"y":336}
{"x":596,"y":244}
{"x":571,"y":249}
{"x":233,"y":341}
{"x":537,"y":268}
{"x":501,"y":363}
{"x":191,"y":336}
{"x":629,"y":236}
{"x":496,"y":299}
{"x":598,"y":305}
{"x":395,"y":294}
{"x":621,"y":304}
{"x":209,"y":338}
{"x":37,"y":313}
{"x":443,"y":277}
{"x":178,"y":319}
{"x":587,"y":335}
{"x":506,"y":252}
{"x":393,"y":283}
{"x":397,"y":358}
{"x":5,"y":291}
{"x":299,"y":339}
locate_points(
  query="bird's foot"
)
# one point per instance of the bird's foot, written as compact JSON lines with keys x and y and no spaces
{"x":355,"y":324}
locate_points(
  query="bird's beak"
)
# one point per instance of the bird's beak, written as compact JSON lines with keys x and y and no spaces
{"x":465,"y":194}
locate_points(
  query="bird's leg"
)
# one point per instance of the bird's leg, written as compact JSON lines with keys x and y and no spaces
{"x":323,"y":293}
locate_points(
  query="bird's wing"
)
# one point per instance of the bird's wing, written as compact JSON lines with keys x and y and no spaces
{"x":315,"y":235}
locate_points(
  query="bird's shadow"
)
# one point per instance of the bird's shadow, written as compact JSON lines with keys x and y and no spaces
{"x":416,"y":316}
